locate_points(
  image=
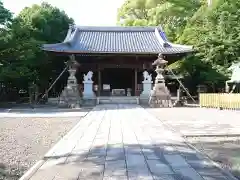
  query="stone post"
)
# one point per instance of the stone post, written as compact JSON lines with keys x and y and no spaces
{"x":147,"y":85}
{"x":33,"y":94}
{"x":227,"y":88}
{"x":88,"y":86}
{"x":179,"y":101}
{"x":89,"y":97}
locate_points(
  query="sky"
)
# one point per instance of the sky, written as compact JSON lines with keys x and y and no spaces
{"x":84,"y":12}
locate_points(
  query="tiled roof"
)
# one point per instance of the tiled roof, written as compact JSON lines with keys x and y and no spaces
{"x":136,"y":40}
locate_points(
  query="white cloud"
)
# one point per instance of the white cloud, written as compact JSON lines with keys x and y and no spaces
{"x":84,"y":12}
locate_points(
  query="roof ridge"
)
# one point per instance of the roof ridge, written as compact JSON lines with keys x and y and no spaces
{"x":116,"y":39}
{"x":117,"y":28}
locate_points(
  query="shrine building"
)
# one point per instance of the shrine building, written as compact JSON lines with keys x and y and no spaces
{"x":117,"y":56}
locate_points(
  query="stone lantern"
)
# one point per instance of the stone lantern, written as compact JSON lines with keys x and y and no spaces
{"x":160,"y":64}
{"x":70,"y":96}
{"x":160,"y":95}
{"x":73,"y":66}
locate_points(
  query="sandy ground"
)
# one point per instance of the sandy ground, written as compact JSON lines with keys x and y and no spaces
{"x":23,"y":141}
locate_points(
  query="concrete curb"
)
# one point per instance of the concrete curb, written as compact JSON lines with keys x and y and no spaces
{"x":51,"y":151}
{"x":32,"y":170}
{"x":191,"y":105}
{"x":211,"y":135}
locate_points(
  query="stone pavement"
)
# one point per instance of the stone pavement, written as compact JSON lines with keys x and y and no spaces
{"x":123,"y":142}
{"x":200,"y":121}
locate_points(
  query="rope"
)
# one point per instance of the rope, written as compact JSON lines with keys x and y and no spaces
{"x":45,"y":94}
{"x":233,"y":88}
{"x":181,"y":85}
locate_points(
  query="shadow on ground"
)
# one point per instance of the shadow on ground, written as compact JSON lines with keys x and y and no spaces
{"x":223,"y":150}
{"x":157,"y":161}
{"x":11,"y":173}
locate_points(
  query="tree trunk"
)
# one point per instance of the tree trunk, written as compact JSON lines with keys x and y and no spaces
{"x":209,"y":2}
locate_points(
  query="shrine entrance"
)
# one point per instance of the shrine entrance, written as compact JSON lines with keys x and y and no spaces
{"x":119,"y":79}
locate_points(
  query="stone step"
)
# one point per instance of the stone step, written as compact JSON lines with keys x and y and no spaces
{"x":53,"y":101}
{"x":118,"y":100}
{"x":106,"y":100}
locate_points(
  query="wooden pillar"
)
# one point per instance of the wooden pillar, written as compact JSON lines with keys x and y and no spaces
{"x":99,"y":82}
{"x":135,"y":81}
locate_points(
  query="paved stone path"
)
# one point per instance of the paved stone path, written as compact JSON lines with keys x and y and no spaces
{"x":124,"y":142}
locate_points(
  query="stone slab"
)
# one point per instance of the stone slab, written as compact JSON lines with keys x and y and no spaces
{"x":176,"y":161}
{"x":159,"y":168}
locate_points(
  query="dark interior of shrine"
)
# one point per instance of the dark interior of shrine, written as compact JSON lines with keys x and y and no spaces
{"x":118,"y":78}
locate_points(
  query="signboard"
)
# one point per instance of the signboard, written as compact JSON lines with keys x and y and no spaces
{"x":106,"y":86}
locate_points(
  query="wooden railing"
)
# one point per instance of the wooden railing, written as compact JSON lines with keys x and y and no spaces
{"x":220,"y":100}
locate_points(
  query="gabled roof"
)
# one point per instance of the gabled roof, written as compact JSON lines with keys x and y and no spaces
{"x":134,"y":40}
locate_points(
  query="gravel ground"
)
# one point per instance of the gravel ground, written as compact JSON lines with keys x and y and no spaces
{"x":24,"y":141}
{"x":223,"y":150}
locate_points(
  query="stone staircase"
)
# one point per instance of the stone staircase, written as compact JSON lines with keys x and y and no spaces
{"x":118,"y":100}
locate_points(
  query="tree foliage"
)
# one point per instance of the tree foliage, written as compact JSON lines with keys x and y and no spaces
{"x":5,"y":15}
{"x":213,"y":31}
{"x":5,"y":19}
{"x":23,"y":60}
{"x":171,"y":14}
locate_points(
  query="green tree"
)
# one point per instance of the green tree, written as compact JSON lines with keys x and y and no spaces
{"x":5,"y":19}
{"x":23,"y":58}
{"x":171,"y":14}
{"x":44,"y":22}
{"x":214,"y":31}
{"x":5,"y":15}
